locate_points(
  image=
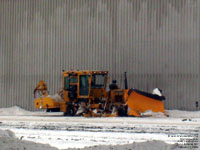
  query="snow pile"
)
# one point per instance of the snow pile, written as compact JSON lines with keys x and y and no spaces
{"x":149,"y":145}
{"x":183,"y":114}
{"x":17,"y":111}
{"x":9,"y":142}
{"x":14,"y":111}
{"x":7,"y":133}
{"x":149,"y":113}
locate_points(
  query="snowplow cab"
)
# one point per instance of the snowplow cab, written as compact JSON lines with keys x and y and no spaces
{"x":84,"y":86}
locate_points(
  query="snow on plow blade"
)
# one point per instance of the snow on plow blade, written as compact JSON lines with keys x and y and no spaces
{"x":139,"y":102}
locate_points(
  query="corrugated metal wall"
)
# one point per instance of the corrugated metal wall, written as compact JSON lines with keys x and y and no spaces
{"x":155,"y":41}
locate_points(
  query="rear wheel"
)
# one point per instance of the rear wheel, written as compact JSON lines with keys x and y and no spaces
{"x":69,"y":110}
{"x":53,"y":110}
{"x":122,"y":111}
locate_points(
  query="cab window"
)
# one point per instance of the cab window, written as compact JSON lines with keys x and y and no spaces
{"x":98,"y":81}
{"x":73,"y":79}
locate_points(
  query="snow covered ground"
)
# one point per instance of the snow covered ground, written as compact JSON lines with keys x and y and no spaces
{"x":8,"y":141}
{"x":17,"y":111}
{"x":78,"y":132}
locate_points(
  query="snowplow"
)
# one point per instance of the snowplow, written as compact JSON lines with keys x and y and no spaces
{"x":84,"y":93}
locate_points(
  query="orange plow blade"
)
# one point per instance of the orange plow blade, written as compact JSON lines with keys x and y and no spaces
{"x":139,"y":102}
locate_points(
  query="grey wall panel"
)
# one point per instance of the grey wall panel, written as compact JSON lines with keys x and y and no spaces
{"x":155,"y":41}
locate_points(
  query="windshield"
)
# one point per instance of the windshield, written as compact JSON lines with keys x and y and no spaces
{"x":98,"y":81}
{"x":84,"y":85}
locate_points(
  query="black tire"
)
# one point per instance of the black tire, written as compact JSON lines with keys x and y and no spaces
{"x":53,"y":110}
{"x":70,"y":110}
{"x":121,"y":111}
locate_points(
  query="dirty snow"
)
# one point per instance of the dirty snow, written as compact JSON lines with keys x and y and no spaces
{"x":57,"y":132}
{"x":183,"y":114}
{"x":149,"y":113}
{"x":17,"y":111}
{"x":9,"y":142}
{"x":149,"y":145}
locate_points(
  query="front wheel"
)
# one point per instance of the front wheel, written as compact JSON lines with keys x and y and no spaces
{"x":122,"y":112}
{"x":69,"y":110}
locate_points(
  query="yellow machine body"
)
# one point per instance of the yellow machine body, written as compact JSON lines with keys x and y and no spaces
{"x":84,"y":93}
{"x":46,"y":103}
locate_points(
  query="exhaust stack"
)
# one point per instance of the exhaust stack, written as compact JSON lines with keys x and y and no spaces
{"x":125,"y":81}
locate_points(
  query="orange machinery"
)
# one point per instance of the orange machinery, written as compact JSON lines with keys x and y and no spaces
{"x":84,"y":93}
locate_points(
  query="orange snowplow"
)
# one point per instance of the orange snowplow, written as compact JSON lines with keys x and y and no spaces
{"x":84,"y":94}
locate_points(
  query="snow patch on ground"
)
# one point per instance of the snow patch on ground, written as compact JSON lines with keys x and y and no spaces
{"x":14,"y":111}
{"x":8,"y":141}
{"x":149,"y":113}
{"x":149,"y":145}
{"x":18,"y":111}
{"x":7,"y":133}
{"x":183,"y":114}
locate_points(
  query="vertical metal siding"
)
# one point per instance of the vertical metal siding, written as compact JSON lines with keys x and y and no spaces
{"x":155,"y":41}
